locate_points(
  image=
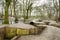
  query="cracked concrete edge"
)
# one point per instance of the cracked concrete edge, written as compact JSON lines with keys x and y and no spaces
{"x":15,"y":37}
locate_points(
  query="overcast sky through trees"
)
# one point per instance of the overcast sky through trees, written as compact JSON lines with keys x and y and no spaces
{"x":36,"y":3}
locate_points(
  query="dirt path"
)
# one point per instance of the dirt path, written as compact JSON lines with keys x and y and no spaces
{"x":50,"y":33}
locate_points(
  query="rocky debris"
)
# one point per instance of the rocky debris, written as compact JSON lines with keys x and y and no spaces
{"x":48,"y":21}
{"x":55,"y":24}
{"x":41,"y":22}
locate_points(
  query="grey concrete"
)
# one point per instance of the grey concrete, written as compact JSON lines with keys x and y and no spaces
{"x":50,"y":33}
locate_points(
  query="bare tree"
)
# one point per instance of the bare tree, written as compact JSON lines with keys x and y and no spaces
{"x":6,"y":20}
{"x":14,"y":7}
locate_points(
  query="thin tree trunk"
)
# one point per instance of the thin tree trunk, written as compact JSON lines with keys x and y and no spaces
{"x":27,"y":14}
{"x":59,"y":10}
{"x":11,"y":10}
{"x":24,"y":12}
{"x":14,"y":3}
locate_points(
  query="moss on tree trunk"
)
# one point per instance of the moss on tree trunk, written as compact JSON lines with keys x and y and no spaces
{"x":6,"y":20}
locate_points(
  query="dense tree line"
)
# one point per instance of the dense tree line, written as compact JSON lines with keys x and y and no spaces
{"x":23,"y":8}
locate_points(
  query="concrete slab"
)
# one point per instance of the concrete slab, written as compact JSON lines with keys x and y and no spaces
{"x":50,"y":33}
{"x":21,"y":25}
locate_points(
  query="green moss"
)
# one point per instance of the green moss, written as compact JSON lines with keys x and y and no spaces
{"x":10,"y":32}
{"x":22,"y":32}
{"x":1,"y":37}
{"x":6,"y":22}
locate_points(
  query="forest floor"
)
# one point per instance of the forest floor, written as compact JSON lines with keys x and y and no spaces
{"x":50,"y":33}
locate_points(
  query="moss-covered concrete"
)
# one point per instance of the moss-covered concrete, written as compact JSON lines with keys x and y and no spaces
{"x":22,"y":32}
{"x":10,"y":32}
{"x":1,"y":33}
{"x":1,"y":37}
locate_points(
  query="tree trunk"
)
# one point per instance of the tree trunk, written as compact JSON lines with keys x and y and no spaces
{"x":59,"y":10}
{"x":6,"y":20}
{"x":14,"y":3}
{"x":27,"y":14}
